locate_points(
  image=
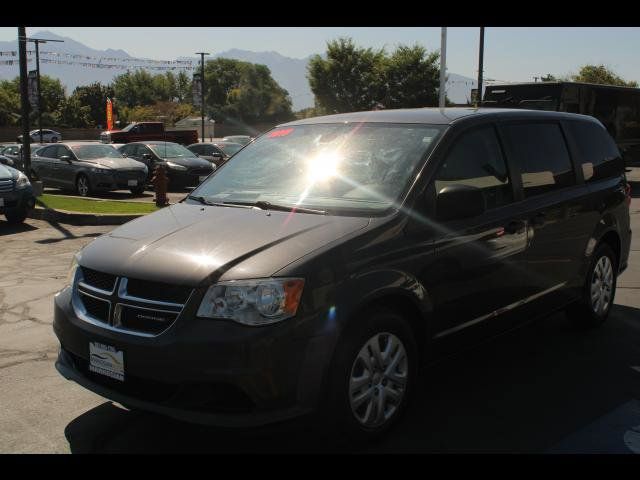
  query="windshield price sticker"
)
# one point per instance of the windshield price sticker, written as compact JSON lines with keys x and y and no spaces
{"x":280,"y":133}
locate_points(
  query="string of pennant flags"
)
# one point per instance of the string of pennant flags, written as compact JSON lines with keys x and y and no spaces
{"x":129,"y":63}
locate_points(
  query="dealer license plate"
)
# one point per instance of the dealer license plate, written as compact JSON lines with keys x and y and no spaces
{"x":106,"y":360}
{"x":132,"y":183}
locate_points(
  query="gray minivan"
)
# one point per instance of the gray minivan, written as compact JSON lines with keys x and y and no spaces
{"x":333,"y":256}
{"x":87,"y":168}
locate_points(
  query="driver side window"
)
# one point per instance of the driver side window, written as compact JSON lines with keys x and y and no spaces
{"x":476,"y":159}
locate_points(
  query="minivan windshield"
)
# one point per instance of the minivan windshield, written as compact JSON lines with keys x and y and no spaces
{"x":171,"y":150}
{"x":91,"y":152}
{"x":329,"y":167}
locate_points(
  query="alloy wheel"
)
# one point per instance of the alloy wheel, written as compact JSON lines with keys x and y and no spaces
{"x":378,"y":380}
{"x":83,"y":186}
{"x":602,"y":285}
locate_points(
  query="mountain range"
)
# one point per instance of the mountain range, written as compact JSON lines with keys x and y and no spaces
{"x":289,"y":72}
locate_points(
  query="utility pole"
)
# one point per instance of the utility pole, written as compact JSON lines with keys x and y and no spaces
{"x":38,"y":41}
{"x":480,"y":68}
{"x":24,"y":101}
{"x":202,"y":54}
{"x":443,"y":66}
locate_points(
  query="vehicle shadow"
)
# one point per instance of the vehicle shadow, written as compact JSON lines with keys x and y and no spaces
{"x":67,"y":234}
{"x":523,"y":391}
{"x":7,"y":228}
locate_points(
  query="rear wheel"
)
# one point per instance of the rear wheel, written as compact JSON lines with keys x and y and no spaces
{"x":371,"y":376}
{"x":54,"y":139}
{"x":83,"y":187}
{"x":599,"y":290}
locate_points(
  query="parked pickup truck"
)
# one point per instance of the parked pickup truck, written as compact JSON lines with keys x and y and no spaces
{"x":144,"y":131}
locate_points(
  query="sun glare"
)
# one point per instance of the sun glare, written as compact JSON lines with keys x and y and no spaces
{"x":323,"y":166}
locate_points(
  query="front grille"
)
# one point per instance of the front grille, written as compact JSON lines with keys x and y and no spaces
{"x":160,"y":292}
{"x":152,"y":321}
{"x":98,"y":309}
{"x":6,"y":185}
{"x":129,"y":174}
{"x":103,"y":281}
{"x":128,"y":305}
{"x":200,"y":171}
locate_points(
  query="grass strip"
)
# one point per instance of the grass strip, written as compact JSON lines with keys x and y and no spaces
{"x":85,"y":205}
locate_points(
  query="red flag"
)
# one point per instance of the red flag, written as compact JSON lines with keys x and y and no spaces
{"x":109,"y":114}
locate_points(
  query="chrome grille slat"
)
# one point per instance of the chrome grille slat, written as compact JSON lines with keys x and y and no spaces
{"x":122,"y":306}
{"x":6,"y":185}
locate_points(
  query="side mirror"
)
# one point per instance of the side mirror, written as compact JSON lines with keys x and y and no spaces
{"x":459,"y":201}
{"x":146,"y":156}
{"x":66,"y":158}
{"x":216,"y":155}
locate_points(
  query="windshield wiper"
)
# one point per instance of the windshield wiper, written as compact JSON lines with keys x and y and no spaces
{"x":204,"y":201}
{"x":264,"y":205}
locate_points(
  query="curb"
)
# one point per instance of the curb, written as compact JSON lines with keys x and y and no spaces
{"x":79,"y":219}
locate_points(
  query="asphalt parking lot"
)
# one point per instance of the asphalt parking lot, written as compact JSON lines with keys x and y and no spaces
{"x":546,"y":387}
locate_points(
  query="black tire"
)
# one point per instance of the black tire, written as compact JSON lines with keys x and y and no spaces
{"x":54,"y":139}
{"x":139,"y":190}
{"x":83,"y":189}
{"x":15,"y":215}
{"x":585,"y":312}
{"x":336,"y":417}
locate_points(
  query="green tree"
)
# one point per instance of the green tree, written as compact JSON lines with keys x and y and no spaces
{"x":352,"y":78}
{"x":72,"y":113}
{"x":601,"y":75}
{"x":244,"y":92}
{"x":349,"y":79}
{"x":412,"y":78}
{"x":135,"y":88}
{"x":9,"y":103}
{"x":183,"y":87}
{"x":94,"y":97}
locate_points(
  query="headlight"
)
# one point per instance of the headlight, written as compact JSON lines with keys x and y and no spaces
{"x":72,"y":270}
{"x":175,"y":166}
{"x":101,"y":171}
{"x":253,"y":302}
{"x":22,"y":181}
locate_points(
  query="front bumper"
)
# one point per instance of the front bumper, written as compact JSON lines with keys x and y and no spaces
{"x":118,"y":181}
{"x":203,"y":371}
{"x":18,"y":199}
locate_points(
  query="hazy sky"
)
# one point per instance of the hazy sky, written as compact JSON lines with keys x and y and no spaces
{"x":511,"y":54}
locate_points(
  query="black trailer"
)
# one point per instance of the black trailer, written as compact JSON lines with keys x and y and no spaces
{"x":618,"y":108}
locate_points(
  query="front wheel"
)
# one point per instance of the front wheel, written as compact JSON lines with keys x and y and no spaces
{"x":371,"y":376}
{"x":139,"y":190}
{"x":599,"y":290}
{"x":16,"y":215}
{"x":83,"y":187}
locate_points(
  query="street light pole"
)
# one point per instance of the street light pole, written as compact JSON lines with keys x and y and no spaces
{"x":202,"y":54}
{"x":443,"y":66}
{"x":480,"y":68}
{"x":38,"y":41}
{"x":24,"y":101}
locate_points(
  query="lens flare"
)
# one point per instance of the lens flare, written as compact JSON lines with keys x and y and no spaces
{"x":324,"y":166}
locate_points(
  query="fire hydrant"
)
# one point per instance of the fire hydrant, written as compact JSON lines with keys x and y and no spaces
{"x":160,"y":183}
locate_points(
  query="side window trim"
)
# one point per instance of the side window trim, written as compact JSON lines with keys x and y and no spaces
{"x":442,"y":157}
{"x":511,"y":160}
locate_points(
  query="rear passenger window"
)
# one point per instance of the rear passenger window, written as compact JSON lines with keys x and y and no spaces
{"x":598,"y":154}
{"x":476,"y":159}
{"x":542,"y":154}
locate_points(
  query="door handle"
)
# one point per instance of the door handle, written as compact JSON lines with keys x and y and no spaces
{"x":539,"y":220}
{"x":515,"y":226}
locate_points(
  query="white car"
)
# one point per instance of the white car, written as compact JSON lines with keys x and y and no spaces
{"x":48,"y":136}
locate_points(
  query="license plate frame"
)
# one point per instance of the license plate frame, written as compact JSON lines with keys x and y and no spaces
{"x":106,"y":360}
{"x":132,"y":183}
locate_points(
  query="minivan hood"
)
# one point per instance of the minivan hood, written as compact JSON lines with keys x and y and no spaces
{"x":185,"y":244}
{"x":116,"y":162}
